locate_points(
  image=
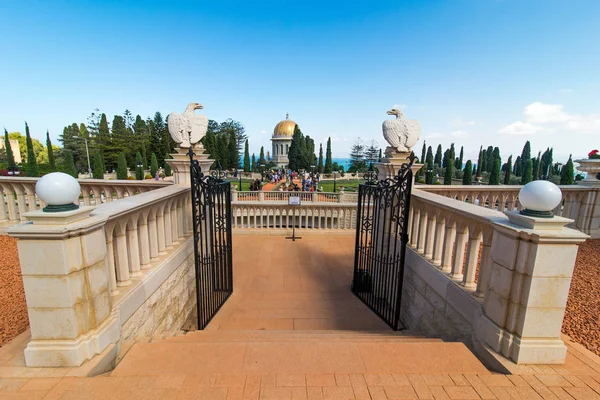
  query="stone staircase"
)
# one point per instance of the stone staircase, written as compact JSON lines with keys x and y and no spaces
{"x":293,"y":352}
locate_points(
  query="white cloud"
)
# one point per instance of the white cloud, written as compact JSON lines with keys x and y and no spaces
{"x":399,"y":107}
{"x":434,"y":135}
{"x":459,"y":122}
{"x":459,"y":133}
{"x":540,"y":113}
{"x":264,"y":131}
{"x":520,"y":128}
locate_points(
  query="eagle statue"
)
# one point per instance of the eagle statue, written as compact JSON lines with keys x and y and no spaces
{"x":188,"y":128}
{"x":402,"y":134}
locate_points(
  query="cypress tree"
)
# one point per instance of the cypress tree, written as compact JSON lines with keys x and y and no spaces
{"x":32,"y":167}
{"x":517,"y":166}
{"x":449,"y":171}
{"x":246,"y":157}
{"x":232,"y":151}
{"x":144,"y":156}
{"x":479,"y":161}
{"x":328,"y":159}
{"x":429,"y":164}
{"x":526,"y":171}
{"x":483,"y":161}
{"x":467,"y":174}
{"x":51,"y":160}
{"x":495,"y":174}
{"x":320,"y":166}
{"x":489,"y":162}
{"x":223,"y":155}
{"x":121,"y":166}
{"x":253,"y":167}
{"x":507,"y":171}
{"x":97,"y":170}
{"x":474,"y":169}
{"x":261,"y":157}
{"x":537,"y":171}
{"x":295,"y":155}
{"x":422,"y":161}
{"x":10,"y":158}
{"x":567,"y":173}
{"x":139,"y":171}
{"x":438,"y":156}
{"x":153,"y":165}
{"x":69,"y":164}
{"x":460,"y":158}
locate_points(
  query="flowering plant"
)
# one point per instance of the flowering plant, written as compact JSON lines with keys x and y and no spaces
{"x":593,"y":155}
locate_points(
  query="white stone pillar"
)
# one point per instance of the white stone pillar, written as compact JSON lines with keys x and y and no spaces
{"x":532,"y":261}
{"x":63,"y":262}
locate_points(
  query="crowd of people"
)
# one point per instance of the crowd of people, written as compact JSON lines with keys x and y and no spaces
{"x":294,"y":181}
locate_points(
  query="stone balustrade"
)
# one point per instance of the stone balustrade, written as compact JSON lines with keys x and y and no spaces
{"x":305,"y":197}
{"x":138,"y":231}
{"x":18,"y":194}
{"x":266,"y":215}
{"x":580,"y":203}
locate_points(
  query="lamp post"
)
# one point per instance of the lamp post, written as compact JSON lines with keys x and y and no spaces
{"x":87,"y":151}
{"x":140,"y":167}
{"x":13,"y":170}
{"x":334,"y":185}
{"x":240,"y":174}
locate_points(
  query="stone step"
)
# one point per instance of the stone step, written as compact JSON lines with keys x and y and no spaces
{"x":185,"y":358}
{"x":294,"y":337}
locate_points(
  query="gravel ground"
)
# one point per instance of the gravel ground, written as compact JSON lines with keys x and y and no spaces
{"x":13,"y":308}
{"x":582,"y":319}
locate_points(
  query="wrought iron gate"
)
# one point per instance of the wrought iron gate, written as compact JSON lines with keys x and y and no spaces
{"x":211,"y":210}
{"x":381,"y":237}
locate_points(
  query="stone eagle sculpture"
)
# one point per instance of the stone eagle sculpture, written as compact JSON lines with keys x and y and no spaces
{"x":188,"y":128}
{"x":400,"y":133}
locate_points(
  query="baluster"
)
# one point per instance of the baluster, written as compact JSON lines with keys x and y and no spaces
{"x":120,"y":193}
{"x":153,"y":233}
{"x":429,"y":240}
{"x":415,"y":227}
{"x":121,"y":256}
{"x":439,"y":239}
{"x":422,"y":231}
{"x":449,"y":239}
{"x":86,"y":196}
{"x":144,"y":240}
{"x":108,"y":194}
{"x":168,"y":227}
{"x":133,"y":250}
{"x":3,"y":209}
{"x":472,"y":257}
{"x":13,"y":214}
{"x":485,"y":266}
{"x":459,"y":251}
{"x":31,"y":201}
{"x":110,"y":258}
{"x":180,"y":219}
{"x":20,"y":200}
{"x":161,"y":231}
{"x":174,"y":224}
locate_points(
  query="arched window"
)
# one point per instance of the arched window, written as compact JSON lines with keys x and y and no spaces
{"x":282,"y":149}
{"x":287,"y":146}
{"x":275,"y":150}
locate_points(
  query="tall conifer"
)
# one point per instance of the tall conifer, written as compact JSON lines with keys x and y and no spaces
{"x":10,"y":157}
{"x":32,"y":167}
{"x":246,"y":157}
{"x":51,"y":160}
{"x":328,"y":159}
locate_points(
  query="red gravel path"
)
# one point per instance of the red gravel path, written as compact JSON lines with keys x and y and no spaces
{"x":13,"y":308}
{"x":582,"y":319}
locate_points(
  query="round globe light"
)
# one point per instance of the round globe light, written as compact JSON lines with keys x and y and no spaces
{"x":59,"y":191}
{"x":539,"y":198}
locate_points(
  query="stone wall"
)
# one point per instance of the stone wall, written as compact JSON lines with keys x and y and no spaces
{"x":435,"y":305}
{"x":170,"y":297}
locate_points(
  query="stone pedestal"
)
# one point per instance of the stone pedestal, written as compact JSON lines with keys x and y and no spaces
{"x":392,"y":163}
{"x":63,"y":262}
{"x":180,"y":164}
{"x":532,"y":261}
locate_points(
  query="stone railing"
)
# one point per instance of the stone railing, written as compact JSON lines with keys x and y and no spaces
{"x":275,"y":215}
{"x":139,"y":231}
{"x":580,"y":203}
{"x":305,"y":197}
{"x":454,"y":236}
{"x":18,"y":194}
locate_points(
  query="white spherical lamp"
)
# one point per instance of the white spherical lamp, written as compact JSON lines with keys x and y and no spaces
{"x":59,"y":191}
{"x":539,"y":198}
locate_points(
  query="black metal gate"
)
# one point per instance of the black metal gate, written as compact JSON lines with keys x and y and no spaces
{"x":211,"y":210}
{"x":381,"y":237}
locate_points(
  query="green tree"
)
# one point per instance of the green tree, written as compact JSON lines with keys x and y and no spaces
{"x":153,"y":165}
{"x":232,"y":151}
{"x":449,"y":164}
{"x":479,"y":161}
{"x":358,"y":161}
{"x":567,"y":173}
{"x":32,"y":167}
{"x":102,"y":141}
{"x":309,"y":155}
{"x":10,"y":158}
{"x":537,"y":166}
{"x":139,"y":167}
{"x":328,"y":158}
{"x":371,"y":153}
{"x":495,"y":174}
{"x":489,"y":161}
{"x":98,"y":170}
{"x":261,"y":157}
{"x":429,"y":165}
{"x":68,"y":166}
{"x":460,"y":158}
{"x":320,"y":166}
{"x":51,"y":160}
{"x":517,"y":166}
{"x":526,"y":164}
{"x":295,"y":156}
{"x":121,"y":166}
{"x":253,"y":167}
{"x":247,"y":165}
{"x":468,"y":174}
{"x":438,"y":156}
{"x":507,"y":171}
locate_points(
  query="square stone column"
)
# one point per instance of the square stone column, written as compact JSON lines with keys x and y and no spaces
{"x":63,"y":261}
{"x":532,"y":261}
{"x":392,"y":163}
{"x":180,"y":164}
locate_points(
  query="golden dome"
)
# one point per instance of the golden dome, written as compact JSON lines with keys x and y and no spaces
{"x":284,"y":128}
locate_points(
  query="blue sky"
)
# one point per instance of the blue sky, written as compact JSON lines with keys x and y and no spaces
{"x":473,"y":72}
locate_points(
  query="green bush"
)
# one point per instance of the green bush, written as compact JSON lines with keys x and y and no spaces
{"x":421,"y":181}
{"x":131,"y":178}
{"x":122,"y":167}
{"x":148,"y":176}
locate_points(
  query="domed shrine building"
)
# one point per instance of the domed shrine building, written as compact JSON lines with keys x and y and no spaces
{"x":282,"y":140}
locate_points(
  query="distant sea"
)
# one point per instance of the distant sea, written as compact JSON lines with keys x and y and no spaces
{"x":342,"y":162}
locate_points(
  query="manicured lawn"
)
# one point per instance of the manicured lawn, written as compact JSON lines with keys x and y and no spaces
{"x":328,"y":185}
{"x":245,"y":183}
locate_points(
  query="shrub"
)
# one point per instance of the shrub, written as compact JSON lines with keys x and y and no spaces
{"x":437,"y":183}
{"x":421,"y":180}
{"x":131,"y":178}
{"x":148,"y":176}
